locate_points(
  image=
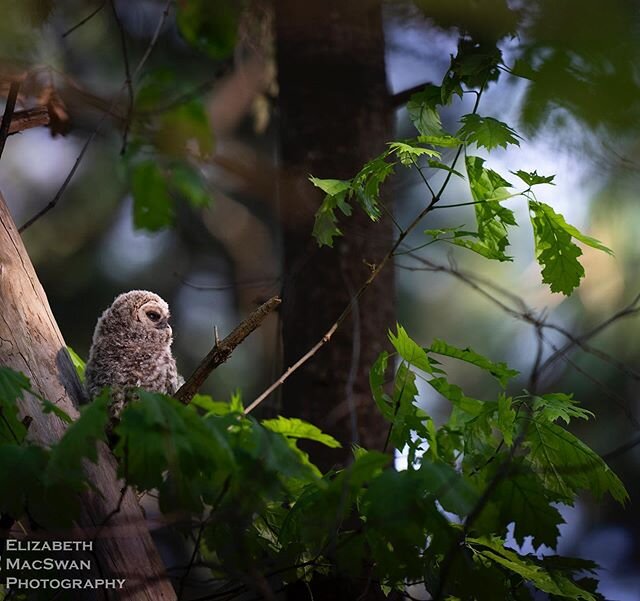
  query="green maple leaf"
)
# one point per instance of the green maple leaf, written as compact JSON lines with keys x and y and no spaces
{"x":364,"y":187}
{"x":410,"y":350}
{"x":522,"y":499}
{"x":557,"y":405}
{"x":292,"y":427}
{"x":555,"y":250}
{"x":506,"y":418}
{"x":499,"y":370}
{"x":486,"y":132}
{"x":152,"y":205}
{"x":565,"y":464}
{"x":469,"y":240}
{"x":531,"y":178}
{"x":453,"y":393}
{"x":423,"y":113}
{"x":158,"y":433}
{"x":325,"y":227}
{"x":488,"y":188}
{"x":409,"y":154}
{"x":79,"y":442}
{"x":554,"y":582}
{"x":366,"y":184}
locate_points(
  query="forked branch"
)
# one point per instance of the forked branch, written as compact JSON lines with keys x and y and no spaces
{"x":222,"y":350}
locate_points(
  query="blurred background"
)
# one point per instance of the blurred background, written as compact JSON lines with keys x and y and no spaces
{"x":184,"y":190}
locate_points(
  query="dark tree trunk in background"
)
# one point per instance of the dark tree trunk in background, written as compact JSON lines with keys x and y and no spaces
{"x":334,"y":116}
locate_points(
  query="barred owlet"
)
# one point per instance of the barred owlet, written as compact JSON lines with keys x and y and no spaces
{"x":132,"y":348}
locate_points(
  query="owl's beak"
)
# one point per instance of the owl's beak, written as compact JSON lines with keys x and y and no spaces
{"x":163,"y":324}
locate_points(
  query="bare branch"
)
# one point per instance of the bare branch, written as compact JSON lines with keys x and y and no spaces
{"x":631,"y":309}
{"x":28,"y":119}
{"x":220,"y":352}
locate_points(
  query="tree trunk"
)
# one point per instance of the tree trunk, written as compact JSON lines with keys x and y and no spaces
{"x":334,"y":116}
{"x":31,"y":342}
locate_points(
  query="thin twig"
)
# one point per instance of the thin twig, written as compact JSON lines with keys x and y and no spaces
{"x":374,"y":274}
{"x":85,"y":20}
{"x":67,"y":179}
{"x":196,"y":548}
{"x":631,"y":309}
{"x":97,"y":128}
{"x":14,"y":88}
{"x":127,"y":71}
{"x":154,"y":39}
{"x":221,"y":352}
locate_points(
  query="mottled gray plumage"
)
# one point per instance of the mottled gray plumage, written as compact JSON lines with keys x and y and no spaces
{"x":132,"y":348}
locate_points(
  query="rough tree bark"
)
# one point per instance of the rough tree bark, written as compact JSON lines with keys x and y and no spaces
{"x":335,"y":115}
{"x":31,"y":342}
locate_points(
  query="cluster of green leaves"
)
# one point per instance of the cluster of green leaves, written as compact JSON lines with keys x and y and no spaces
{"x":171,"y":134}
{"x":42,"y":484}
{"x":169,"y":140}
{"x":261,"y":505}
{"x":512,"y":445}
{"x":555,"y":240}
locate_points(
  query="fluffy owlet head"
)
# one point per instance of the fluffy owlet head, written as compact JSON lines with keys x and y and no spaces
{"x":138,"y":315}
{"x":132,"y":348}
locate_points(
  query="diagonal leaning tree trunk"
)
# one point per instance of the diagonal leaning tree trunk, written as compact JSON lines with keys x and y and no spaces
{"x":31,"y":342}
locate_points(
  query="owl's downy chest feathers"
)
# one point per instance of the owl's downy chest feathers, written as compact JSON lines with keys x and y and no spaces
{"x":132,"y":347}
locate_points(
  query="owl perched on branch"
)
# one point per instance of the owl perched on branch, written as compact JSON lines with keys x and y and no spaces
{"x":131,"y":348}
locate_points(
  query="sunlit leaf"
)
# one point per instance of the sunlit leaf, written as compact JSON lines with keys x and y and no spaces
{"x":292,"y":427}
{"x":325,"y":227}
{"x":487,"y":189}
{"x":409,"y":350}
{"x":498,"y":370}
{"x":553,"y":582}
{"x":555,"y":250}
{"x":78,"y":363}
{"x":409,"y":154}
{"x":423,"y":113}
{"x":486,"y":132}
